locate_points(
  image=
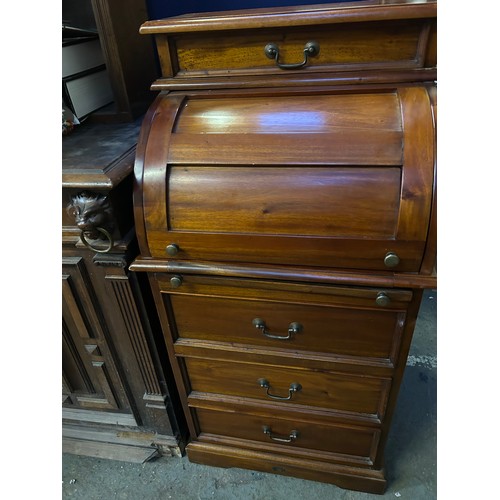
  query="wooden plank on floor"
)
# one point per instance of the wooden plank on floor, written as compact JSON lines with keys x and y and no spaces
{"x":110,"y":451}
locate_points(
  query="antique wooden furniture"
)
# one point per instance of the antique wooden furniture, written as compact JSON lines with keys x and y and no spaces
{"x":118,"y":400}
{"x":285,"y":210}
{"x":130,"y":59}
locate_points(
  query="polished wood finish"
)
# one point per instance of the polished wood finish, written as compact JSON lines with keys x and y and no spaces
{"x":335,"y":439}
{"x":345,"y":47}
{"x":369,"y":333}
{"x":363,"y":210}
{"x":366,"y":38}
{"x":366,"y":221}
{"x":333,"y":391}
{"x":270,"y":205}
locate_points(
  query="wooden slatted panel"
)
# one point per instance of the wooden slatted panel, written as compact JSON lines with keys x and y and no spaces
{"x":342,"y":147}
{"x":311,"y":201}
{"x":290,"y":114}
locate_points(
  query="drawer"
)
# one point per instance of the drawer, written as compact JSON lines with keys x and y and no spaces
{"x":340,"y":180}
{"x":350,"y":443}
{"x":290,"y":386}
{"x":268,"y":322}
{"x":223,"y":44}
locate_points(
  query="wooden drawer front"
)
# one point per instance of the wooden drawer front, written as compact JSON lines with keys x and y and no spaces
{"x":319,"y":180}
{"x":344,"y":393}
{"x":341,"y":331}
{"x":293,"y":292}
{"x":355,"y":442}
{"x":378,"y":45}
{"x":356,"y":37}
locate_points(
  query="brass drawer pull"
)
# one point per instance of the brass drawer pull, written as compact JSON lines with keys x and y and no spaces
{"x":275,"y":437}
{"x":294,"y":387}
{"x":272,"y":51}
{"x":292,"y":328}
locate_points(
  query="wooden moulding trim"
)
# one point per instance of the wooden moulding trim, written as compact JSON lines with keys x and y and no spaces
{"x":100,"y":417}
{"x":296,"y":80}
{"x":135,"y":437}
{"x":343,"y":148}
{"x":326,"y":276}
{"x":429,"y":261}
{"x":298,"y":293}
{"x":154,"y":189}
{"x":399,"y":371}
{"x":178,"y":367}
{"x":138,"y":176}
{"x":318,"y":415}
{"x":358,"y":255}
{"x":164,"y":56}
{"x":291,"y":16}
{"x":114,"y":451}
{"x":149,"y":161}
{"x":124,"y":299}
{"x":418,"y":170}
{"x":355,"y":478}
{"x":311,"y":454}
{"x":108,"y":177}
{"x":215,"y":350}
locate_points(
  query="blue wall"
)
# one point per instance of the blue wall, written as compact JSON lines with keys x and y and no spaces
{"x":159,"y":9}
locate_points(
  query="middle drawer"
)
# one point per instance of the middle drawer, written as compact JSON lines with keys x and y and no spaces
{"x":352,"y":394}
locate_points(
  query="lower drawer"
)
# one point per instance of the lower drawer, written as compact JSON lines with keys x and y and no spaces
{"x":286,"y":385}
{"x":356,"y":444}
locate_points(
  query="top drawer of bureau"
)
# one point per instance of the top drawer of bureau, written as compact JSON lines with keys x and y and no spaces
{"x":338,"y":179}
{"x":355,"y":37}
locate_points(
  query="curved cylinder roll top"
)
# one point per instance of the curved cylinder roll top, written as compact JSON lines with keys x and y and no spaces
{"x":335,"y":179}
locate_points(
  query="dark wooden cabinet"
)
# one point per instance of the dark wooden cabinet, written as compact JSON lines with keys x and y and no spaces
{"x":117,"y":394}
{"x":285,"y":210}
{"x":130,"y":59}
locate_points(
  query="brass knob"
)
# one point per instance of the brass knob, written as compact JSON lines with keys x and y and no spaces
{"x":391,"y":259}
{"x":382,"y":300}
{"x":176,"y":281}
{"x":172,"y":249}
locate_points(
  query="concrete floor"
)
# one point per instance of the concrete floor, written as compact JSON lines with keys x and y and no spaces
{"x":410,"y":453}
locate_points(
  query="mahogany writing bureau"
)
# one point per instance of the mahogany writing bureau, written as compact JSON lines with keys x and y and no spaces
{"x":285,"y":211}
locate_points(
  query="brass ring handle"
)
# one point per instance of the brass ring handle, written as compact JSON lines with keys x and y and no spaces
{"x":294,"y":387}
{"x":272,"y":51}
{"x":105,"y":233}
{"x":292,"y":328}
{"x":276,"y":437}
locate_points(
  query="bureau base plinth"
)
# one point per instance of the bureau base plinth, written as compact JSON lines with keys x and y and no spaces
{"x":348,"y":477}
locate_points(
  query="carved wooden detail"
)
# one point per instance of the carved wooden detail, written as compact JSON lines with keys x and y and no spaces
{"x":88,"y":372}
{"x":135,"y":331}
{"x":94,"y":217}
{"x":106,"y":334}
